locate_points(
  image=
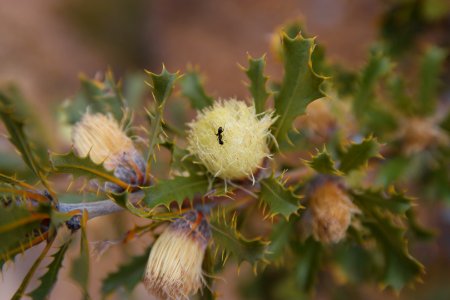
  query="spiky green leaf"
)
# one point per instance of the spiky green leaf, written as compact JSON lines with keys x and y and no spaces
{"x":432,"y":64}
{"x":18,"y":228}
{"x":308,"y":265}
{"x":279,"y":238}
{"x":16,"y":118}
{"x":70,"y":163}
{"x":323,"y":163}
{"x":128,"y":275}
{"x":257,"y":87}
{"x":300,"y":85}
{"x":393,"y":201}
{"x":377,"y":67}
{"x":357,"y":155}
{"x":228,"y":241}
{"x":80,"y":266}
{"x":177,"y":189}
{"x":399,"y":267}
{"x":162,"y":84}
{"x":192,"y":88}
{"x":278,"y":198}
{"x":48,"y":280}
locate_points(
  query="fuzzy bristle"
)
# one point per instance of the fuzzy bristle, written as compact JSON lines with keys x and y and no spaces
{"x":101,"y":137}
{"x":244,"y":139}
{"x":174,"y":268}
{"x":331,"y":211}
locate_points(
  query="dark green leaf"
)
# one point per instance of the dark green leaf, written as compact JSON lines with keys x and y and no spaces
{"x":300,"y":85}
{"x":48,"y":280}
{"x":279,"y":199}
{"x":80,"y":265}
{"x":18,"y":228}
{"x":83,"y":166}
{"x":357,"y":155}
{"x":258,"y":80}
{"x":229,"y":241}
{"x":377,"y":67}
{"x":21,"y":290}
{"x":279,"y":238}
{"x":323,"y":163}
{"x":128,"y":275}
{"x":393,"y":201}
{"x":400,"y":268}
{"x":177,"y":189}
{"x":429,"y":80}
{"x":309,"y":253}
{"x":15,"y":120}
{"x":192,"y":88}
{"x":162,"y":85}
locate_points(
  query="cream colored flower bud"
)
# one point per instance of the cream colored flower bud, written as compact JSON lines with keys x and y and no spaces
{"x":419,"y":134}
{"x":331,"y":209}
{"x":229,"y":139}
{"x":101,"y":137}
{"x":174,"y":268}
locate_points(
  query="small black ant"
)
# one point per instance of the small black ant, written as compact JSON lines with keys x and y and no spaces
{"x":219,"y":135}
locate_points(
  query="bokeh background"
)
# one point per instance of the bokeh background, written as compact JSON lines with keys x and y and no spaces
{"x":46,"y":44}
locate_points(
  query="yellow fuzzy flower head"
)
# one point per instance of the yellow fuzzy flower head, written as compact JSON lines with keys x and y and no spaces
{"x":101,"y":137}
{"x":331,"y":209}
{"x":229,"y":139}
{"x":174,"y":268}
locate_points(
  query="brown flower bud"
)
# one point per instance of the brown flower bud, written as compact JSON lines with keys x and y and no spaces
{"x":331,"y":209}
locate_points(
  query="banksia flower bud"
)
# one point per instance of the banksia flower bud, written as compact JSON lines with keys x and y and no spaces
{"x":174,"y":268}
{"x":331,"y":209}
{"x":101,"y":137}
{"x":419,"y":134}
{"x":229,"y":139}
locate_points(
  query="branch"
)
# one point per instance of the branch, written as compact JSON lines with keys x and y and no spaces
{"x":98,"y":208}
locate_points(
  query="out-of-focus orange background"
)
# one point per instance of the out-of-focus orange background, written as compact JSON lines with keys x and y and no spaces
{"x":45,"y":44}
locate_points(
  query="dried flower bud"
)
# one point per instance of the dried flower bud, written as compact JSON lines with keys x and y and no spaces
{"x":419,"y":134}
{"x":229,"y":139}
{"x":174,"y":268}
{"x":101,"y":137}
{"x":331,"y":209}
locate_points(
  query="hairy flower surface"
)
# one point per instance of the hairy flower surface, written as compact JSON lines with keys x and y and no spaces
{"x":236,"y":151}
{"x":174,"y":268}
{"x":101,"y":137}
{"x":331,"y":210}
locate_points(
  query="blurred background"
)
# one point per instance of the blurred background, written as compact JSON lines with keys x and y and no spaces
{"x":45,"y":45}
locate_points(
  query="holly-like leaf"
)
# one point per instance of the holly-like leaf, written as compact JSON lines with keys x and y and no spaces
{"x":128,"y":275}
{"x":308,"y":265}
{"x":377,"y":67}
{"x":323,"y":163}
{"x":177,"y":189}
{"x":229,"y":241}
{"x":21,"y":290}
{"x":300,"y":85}
{"x":70,"y":163}
{"x":257,"y":87}
{"x":279,"y":238}
{"x":192,"y":88}
{"x":432,"y":64}
{"x":14,"y":117}
{"x":395,"y":202}
{"x":400,"y":268}
{"x":48,"y":280}
{"x":80,"y":265}
{"x":278,"y":198}
{"x":357,"y":155}
{"x":162,"y":85}
{"x":19,"y":230}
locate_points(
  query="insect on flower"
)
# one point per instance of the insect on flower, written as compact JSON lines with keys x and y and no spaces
{"x":219,"y":135}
